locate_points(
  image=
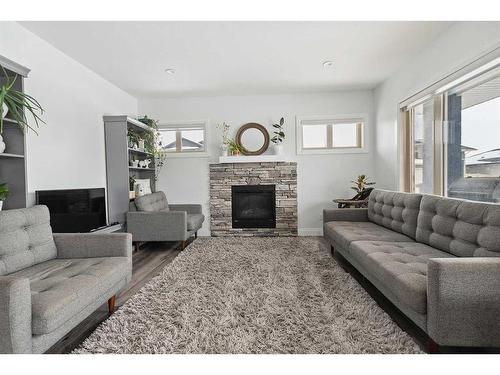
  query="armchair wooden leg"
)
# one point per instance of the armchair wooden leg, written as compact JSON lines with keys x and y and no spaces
{"x":196,"y":234}
{"x":183,"y":245}
{"x":111,"y":304}
{"x":432,"y":346}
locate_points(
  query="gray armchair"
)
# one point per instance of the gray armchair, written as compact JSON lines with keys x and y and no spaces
{"x":49,"y":283}
{"x":152,"y":218}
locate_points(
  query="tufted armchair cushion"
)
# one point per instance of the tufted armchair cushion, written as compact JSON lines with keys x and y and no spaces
{"x":459,"y":227}
{"x":394,"y":210}
{"x":152,"y":202}
{"x":25,"y":238}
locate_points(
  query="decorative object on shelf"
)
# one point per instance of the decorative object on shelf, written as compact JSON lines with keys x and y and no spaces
{"x":234,"y":148}
{"x":18,"y":104}
{"x":140,"y":145}
{"x":139,"y":190}
{"x":4,"y":193}
{"x":224,"y":129}
{"x":131,"y":182}
{"x":253,"y":139}
{"x":135,"y":163}
{"x":2,"y":144}
{"x":142,"y":187}
{"x":145,"y":163}
{"x":362,"y":193}
{"x":279,"y":136}
{"x":132,"y":139}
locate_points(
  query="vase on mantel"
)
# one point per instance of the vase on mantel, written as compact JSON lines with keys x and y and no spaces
{"x":223,"y":150}
{"x":278,"y":149}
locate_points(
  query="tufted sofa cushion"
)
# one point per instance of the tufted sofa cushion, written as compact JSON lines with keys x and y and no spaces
{"x":60,"y":288}
{"x":152,"y":202}
{"x":459,"y":227}
{"x":394,"y":210}
{"x":25,"y":238}
{"x":345,"y":232}
{"x":400,"y":267}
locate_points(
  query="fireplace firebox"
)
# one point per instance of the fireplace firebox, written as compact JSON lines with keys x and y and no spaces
{"x":253,"y":206}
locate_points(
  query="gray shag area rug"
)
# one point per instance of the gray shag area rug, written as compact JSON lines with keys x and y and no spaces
{"x":251,"y":295}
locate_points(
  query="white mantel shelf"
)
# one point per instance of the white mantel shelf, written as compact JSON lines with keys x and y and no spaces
{"x":253,"y":159}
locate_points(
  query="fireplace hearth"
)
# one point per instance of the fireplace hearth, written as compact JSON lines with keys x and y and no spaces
{"x":253,"y":206}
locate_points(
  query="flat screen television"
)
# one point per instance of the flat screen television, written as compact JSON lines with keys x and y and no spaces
{"x":75,"y":210}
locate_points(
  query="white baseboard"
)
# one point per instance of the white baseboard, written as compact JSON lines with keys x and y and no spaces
{"x":309,"y":232}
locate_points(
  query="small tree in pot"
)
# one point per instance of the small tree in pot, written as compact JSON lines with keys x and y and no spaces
{"x":279,"y":136}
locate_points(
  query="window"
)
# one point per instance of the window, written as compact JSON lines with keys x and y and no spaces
{"x":184,"y":138}
{"x":330,"y":134}
{"x":451,"y":140}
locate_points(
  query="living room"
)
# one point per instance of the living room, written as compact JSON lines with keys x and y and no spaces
{"x":248,"y":186}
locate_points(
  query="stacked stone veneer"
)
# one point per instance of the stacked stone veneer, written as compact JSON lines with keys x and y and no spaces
{"x":281,"y":174}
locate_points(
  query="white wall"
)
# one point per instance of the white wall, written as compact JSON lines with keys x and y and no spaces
{"x":456,"y":47}
{"x":69,"y":151}
{"x":320,"y":177}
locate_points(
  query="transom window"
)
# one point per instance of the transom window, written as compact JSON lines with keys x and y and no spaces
{"x":184,"y":138}
{"x":330,"y":134}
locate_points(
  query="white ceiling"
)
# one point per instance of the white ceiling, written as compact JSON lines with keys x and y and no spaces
{"x":219,"y":58}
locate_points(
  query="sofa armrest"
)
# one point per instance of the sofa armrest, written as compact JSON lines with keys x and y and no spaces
{"x":463,"y":301}
{"x":15,"y":315}
{"x":157,"y":226}
{"x":90,"y":245}
{"x":345,"y":214}
{"x":189,"y":208}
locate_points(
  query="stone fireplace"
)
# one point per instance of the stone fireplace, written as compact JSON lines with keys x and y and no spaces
{"x":253,"y":199}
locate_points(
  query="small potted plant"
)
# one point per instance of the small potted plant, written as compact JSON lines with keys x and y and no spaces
{"x":133,"y":139}
{"x":361,"y":184}
{"x":18,"y":104}
{"x":4,"y":193}
{"x":279,"y":136}
{"x":234,"y":148}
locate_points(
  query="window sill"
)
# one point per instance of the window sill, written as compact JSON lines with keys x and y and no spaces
{"x":333,"y":151}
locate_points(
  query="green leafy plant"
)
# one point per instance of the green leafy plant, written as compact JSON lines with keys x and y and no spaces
{"x":153,"y":144}
{"x":361,"y":184}
{"x":233,"y":147}
{"x":279,"y":134}
{"x":131,"y":182}
{"x":19,"y":104}
{"x":4,"y":191}
{"x":133,"y":136}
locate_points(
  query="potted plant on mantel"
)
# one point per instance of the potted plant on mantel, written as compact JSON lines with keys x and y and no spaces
{"x":4,"y":193}
{"x":279,"y":136}
{"x":234,"y":148}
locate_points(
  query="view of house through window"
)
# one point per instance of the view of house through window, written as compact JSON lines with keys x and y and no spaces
{"x":183,"y":139}
{"x":462,"y":146}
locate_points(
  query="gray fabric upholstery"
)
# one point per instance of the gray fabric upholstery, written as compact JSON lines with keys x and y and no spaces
{"x":345,"y":214}
{"x":393,"y":210}
{"x":189,"y":208}
{"x":158,"y":226}
{"x":194,"y":221}
{"x":25,"y":238}
{"x":401,"y":267}
{"x":156,"y":220}
{"x":152,"y":202}
{"x":53,"y":285}
{"x":90,"y":245}
{"x":60,"y":288}
{"x":459,"y":227}
{"x":464,"y":301}
{"x":15,"y":315}
{"x":345,"y":232}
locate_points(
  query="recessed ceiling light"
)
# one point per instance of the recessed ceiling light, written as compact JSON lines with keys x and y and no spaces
{"x":169,"y":71}
{"x":327,"y":63}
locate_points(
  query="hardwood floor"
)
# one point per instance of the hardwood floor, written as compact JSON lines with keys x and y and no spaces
{"x":148,"y":262}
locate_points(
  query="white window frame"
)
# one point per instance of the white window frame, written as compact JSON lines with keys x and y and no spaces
{"x":346,"y":118}
{"x":180,"y":125}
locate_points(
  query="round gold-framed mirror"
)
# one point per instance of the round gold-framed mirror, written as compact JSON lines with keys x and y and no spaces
{"x":253,"y":138}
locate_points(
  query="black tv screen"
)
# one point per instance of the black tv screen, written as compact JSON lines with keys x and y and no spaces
{"x":75,"y":210}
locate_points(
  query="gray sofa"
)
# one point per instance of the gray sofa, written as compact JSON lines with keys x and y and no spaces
{"x":436,"y":259}
{"x":49,"y":282}
{"x":152,"y":218}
